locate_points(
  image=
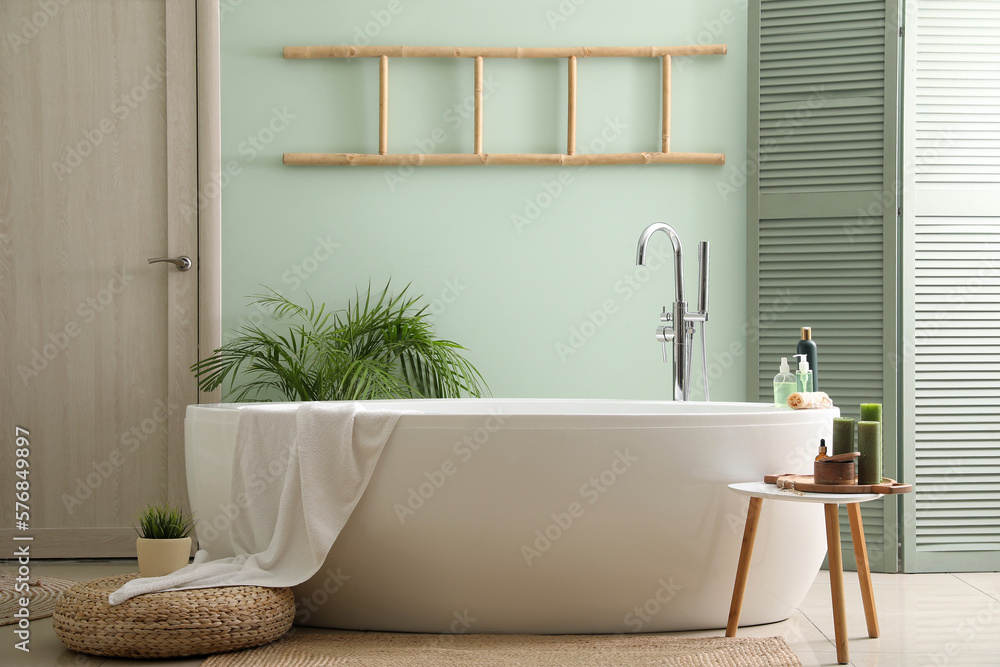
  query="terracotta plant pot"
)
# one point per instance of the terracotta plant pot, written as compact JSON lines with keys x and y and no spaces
{"x":160,"y":557}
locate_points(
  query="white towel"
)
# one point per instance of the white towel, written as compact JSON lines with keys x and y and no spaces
{"x":299,"y":473}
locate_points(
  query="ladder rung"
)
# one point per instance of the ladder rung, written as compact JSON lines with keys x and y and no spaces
{"x":372,"y":51}
{"x":458,"y":159}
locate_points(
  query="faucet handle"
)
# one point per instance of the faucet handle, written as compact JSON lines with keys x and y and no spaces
{"x":665,"y":316}
{"x":664,"y":335}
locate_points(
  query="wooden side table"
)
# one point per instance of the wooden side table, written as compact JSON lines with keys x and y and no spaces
{"x":758,"y":492}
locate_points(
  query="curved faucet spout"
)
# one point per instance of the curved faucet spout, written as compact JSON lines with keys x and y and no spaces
{"x":640,"y":256}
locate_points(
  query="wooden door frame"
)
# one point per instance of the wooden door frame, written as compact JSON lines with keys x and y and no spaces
{"x":209,"y":146}
{"x":181,"y":57}
{"x":194,"y":215}
{"x":194,"y":211}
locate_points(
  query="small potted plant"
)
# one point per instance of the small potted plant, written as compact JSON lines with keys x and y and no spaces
{"x":164,"y":541}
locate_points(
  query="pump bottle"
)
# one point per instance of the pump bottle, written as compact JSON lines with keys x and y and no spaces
{"x":784,"y":385}
{"x":803,"y":377}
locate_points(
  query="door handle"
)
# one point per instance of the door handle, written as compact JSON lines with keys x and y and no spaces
{"x":183,"y":263}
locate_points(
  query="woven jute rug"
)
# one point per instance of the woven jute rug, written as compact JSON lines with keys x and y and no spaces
{"x":42,"y":595}
{"x":379,"y":649}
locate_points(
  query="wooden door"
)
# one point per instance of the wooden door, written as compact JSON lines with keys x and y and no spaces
{"x":98,"y":157}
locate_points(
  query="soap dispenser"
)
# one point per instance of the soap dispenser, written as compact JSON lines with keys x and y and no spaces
{"x":784,"y":384}
{"x":803,"y":378}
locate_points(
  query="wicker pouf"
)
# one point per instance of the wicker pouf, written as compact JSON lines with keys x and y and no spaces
{"x":171,"y":624}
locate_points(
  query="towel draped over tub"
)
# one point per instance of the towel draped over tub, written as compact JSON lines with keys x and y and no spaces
{"x":289,"y":517}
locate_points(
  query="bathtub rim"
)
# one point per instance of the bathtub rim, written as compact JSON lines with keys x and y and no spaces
{"x":511,"y":413}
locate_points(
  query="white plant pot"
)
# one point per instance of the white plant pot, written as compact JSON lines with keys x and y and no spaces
{"x":160,"y":557}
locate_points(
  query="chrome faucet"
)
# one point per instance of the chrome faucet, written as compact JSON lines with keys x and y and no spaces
{"x":681,"y":318}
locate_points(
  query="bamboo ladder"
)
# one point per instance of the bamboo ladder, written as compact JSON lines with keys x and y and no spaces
{"x":478,"y":157}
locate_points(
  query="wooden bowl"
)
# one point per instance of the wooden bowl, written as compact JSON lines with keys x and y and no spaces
{"x":834,"y":472}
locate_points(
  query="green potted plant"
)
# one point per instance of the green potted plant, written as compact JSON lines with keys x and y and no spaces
{"x":378,"y":347}
{"x":164,"y":541}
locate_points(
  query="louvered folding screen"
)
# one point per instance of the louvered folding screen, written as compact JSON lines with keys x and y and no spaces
{"x":822,"y":207}
{"x":951,"y":278}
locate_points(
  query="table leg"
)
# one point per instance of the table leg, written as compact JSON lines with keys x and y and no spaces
{"x":743,"y":569}
{"x":864,"y":573}
{"x":835,"y":559}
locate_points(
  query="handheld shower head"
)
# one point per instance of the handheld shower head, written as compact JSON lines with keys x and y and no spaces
{"x":703,"y":278}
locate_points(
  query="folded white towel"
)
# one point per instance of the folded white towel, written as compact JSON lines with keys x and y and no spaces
{"x":293,"y":512}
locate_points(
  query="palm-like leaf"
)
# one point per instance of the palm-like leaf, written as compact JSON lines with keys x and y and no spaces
{"x":382,"y":347}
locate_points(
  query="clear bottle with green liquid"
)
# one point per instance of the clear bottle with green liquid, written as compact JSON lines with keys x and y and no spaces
{"x":784,"y":384}
{"x":804,"y":376}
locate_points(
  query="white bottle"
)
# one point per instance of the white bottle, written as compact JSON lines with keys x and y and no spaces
{"x":784,"y":385}
{"x":804,"y":376}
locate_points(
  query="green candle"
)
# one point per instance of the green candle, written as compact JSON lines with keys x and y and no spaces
{"x":871,"y":412}
{"x":870,"y":446}
{"x":843,"y":435}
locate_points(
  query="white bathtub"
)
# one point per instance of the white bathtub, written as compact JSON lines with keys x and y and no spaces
{"x":551,"y":516}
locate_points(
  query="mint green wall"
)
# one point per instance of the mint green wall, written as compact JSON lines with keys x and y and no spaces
{"x":513,"y":259}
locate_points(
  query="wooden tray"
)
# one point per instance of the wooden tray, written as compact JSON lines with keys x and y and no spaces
{"x":806,"y":483}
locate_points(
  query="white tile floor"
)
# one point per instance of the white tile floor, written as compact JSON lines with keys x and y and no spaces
{"x":926,"y":620}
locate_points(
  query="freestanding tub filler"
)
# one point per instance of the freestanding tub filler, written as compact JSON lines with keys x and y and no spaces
{"x":550,"y":516}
